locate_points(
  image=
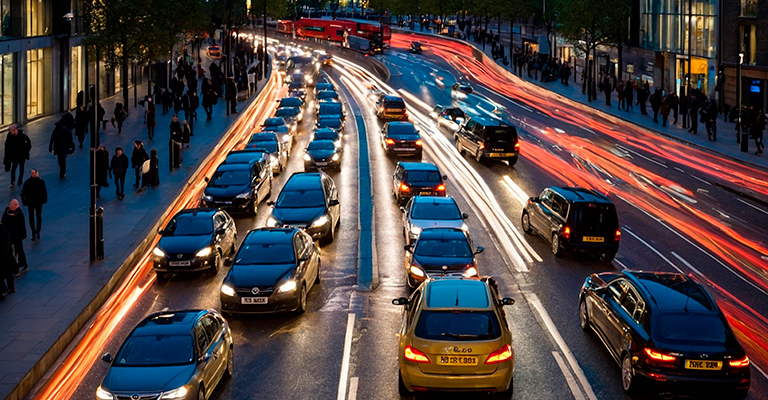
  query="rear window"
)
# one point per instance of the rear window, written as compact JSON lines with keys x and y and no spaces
{"x":401,"y":129}
{"x":438,"y":211}
{"x":424,"y":177}
{"x":458,"y":325}
{"x":499,"y":133}
{"x":330,"y":108}
{"x":394,"y":104}
{"x":601,"y":216}
{"x":690,"y":329}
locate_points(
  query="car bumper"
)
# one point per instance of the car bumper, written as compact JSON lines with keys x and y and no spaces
{"x":321,"y":165}
{"x":395,"y":117}
{"x":697,"y":386}
{"x":283,"y":302}
{"x":416,"y":380}
{"x":195,"y":264}
{"x":500,"y":155}
{"x":591,"y":247}
{"x":404,"y":151}
{"x":229,"y":205}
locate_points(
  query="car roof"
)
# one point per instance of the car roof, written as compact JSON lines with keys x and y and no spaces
{"x":442,"y":233}
{"x":390,"y":97}
{"x":275,"y":119}
{"x":294,"y":109}
{"x":580,"y":195}
{"x":434,"y":200}
{"x":269,"y":235}
{"x":303,"y":180}
{"x":418,"y":166}
{"x":289,"y":100}
{"x":457,"y":293}
{"x":671,"y":291}
{"x":491,"y":122}
{"x":168,"y":323}
{"x":244,"y":157}
{"x":202,"y":211}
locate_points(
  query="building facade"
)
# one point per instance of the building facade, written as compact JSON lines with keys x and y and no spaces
{"x":745,"y":30}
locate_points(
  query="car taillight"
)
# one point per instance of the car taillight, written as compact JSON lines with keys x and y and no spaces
{"x":617,"y":236}
{"x":441,"y":188}
{"x":415,"y":355}
{"x":390,"y":141}
{"x":500,"y":355}
{"x":517,"y":146}
{"x":567,"y":233}
{"x":659,"y":359}
{"x":482,"y":146}
{"x":740,"y":363}
{"x":404,"y":187}
{"x":418,"y":142}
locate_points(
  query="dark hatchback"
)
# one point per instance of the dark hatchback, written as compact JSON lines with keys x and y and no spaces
{"x":179,"y":355}
{"x":309,"y":201}
{"x":667,"y":334}
{"x":401,"y":138}
{"x":574,"y":219}
{"x":193,"y":240}
{"x":273,"y":271}
{"x":391,"y":108}
{"x":239,"y":187}
{"x":416,"y":179}
{"x":291,"y":102}
{"x":440,"y":252}
{"x":330,"y":122}
{"x":322,"y":154}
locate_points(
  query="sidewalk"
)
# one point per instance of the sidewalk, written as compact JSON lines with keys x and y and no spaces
{"x":61,"y":281}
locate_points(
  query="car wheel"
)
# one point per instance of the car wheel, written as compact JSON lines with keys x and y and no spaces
{"x":512,"y":161}
{"x":526,"y":223}
{"x":302,"y":300}
{"x":556,"y":245}
{"x":230,"y":365}
{"x":609,"y":256}
{"x":628,"y":379}
{"x":401,"y":388}
{"x":583,"y":315}
{"x":201,"y":393}
{"x":216,"y":263}
{"x":479,"y":157}
{"x":254,"y":208}
{"x":507,"y":394}
{"x":317,"y":278}
{"x":458,"y":146}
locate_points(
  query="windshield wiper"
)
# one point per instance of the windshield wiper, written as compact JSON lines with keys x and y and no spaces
{"x":460,"y":336}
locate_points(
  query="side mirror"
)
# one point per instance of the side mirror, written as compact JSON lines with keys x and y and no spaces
{"x":408,"y":247}
{"x":206,"y":179}
{"x":228,"y":261}
{"x":479,"y":250}
{"x":160,"y":231}
{"x":205,"y":357}
{"x":464,"y":216}
{"x":534,"y":199}
{"x":334,"y":202}
{"x":107,"y":358}
{"x":402,"y":209}
{"x":507,"y":301}
{"x":400,"y":301}
{"x":445,"y":177}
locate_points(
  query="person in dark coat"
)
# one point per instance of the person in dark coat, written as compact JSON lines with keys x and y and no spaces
{"x":209,"y":100}
{"x":17,"y":147}
{"x":694,"y":102}
{"x":664,"y":109}
{"x":138,"y":157}
{"x":68,"y":120}
{"x":656,"y":104}
{"x":186,"y":133}
{"x":756,"y":130}
{"x":7,"y":264}
{"x":151,"y":115}
{"x":231,"y":95}
{"x":34,"y":195}
{"x":102,"y":168}
{"x":119,"y":115}
{"x":629,"y":96}
{"x":674,"y":104}
{"x":167,"y":100}
{"x":185,"y":105}
{"x":643,"y":92}
{"x":194,"y":104}
{"x":119,"y":166}
{"x":176,"y":140}
{"x":81,"y":124}
{"x":61,"y":145}
{"x":608,"y":89}
{"x":13,"y":220}
{"x":101,"y":114}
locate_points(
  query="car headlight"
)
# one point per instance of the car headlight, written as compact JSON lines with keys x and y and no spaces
{"x":102,"y":394}
{"x":416,"y":271}
{"x":286,"y":287}
{"x":320,"y":221}
{"x":415,"y":230}
{"x":158,"y":252}
{"x":203,"y":253}
{"x":307,"y":157}
{"x":179,"y":393}
{"x":244,"y":195}
{"x":207,"y":197}
{"x":471,"y":271}
{"x":273,"y":160}
{"x":335,"y":157}
{"x":227,"y":290}
{"x":271,"y":222}
{"x":464,"y":227}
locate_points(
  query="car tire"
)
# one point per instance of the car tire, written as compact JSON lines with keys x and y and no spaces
{"x":556,"y":250}
{"x":507,"y":394}
{"x":201,"y":393}
{"x":512,"y":161}
{"x":302,"y":307}
{"x":254,"y":208}
{"x":230,"y":370}
{"x":458,"y":146}
{"x":401,"y":388}
{"x":609,"y":256}
{"x":583,"y":315}
{"x":479,"y":157}
{"x":628,"y":379}
{"x":525,"y":222}
{"x":214,"y":270}
{"x":317,"y":278}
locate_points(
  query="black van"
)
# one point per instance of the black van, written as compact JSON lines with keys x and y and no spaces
{"x":488,"y":139}
{"x":574,"y":219}
{"x":391,"y":108}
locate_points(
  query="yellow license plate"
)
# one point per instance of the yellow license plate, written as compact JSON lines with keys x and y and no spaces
{"x":596,"y":239}
{"x":502,"y":154}
{"x":704,"y":364}
{"x":456,"y":360}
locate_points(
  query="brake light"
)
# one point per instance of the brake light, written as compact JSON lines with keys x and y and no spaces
{"x":656,"y":356}
{"x":418,"y":142}
{"x":404,"y":187}
{"x":517,"y":146}
{"x":617,"y":237}
{"x":500,"y":355}
{"x":740,"y":363}
{"x":441,"y":188}
{"x":390,"y":141}
{"x":415,"y":355}
{"x":381,"y":110}
{"x":567,"y":233}
{"x":482,"y":146}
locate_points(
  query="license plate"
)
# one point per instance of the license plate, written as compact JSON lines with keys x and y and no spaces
{"x":502,"y":154}
{"x":456,"y":360}
{"x":402,"y":149}
{"x":179,"y":263}
{"x":703,"y":364}
{"x":321,"y":164}
{"x":594,"y":239}
{"x":393,"y":110}
{"x":425,"y":193}
{"x":297,"y":226}
{"x":254,"y":300}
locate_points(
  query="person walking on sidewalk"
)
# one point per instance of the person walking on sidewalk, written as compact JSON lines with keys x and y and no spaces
{"x":664,"y":109}
{"x":209,"y":100}
{"x":7,"y":264}
{"x":61,"y":145}
{"x":186,"y":133}
{"x":629,"y":96}
{"x":119,"y":115}
{"x":151,"y":115}
{"x":194,"y":104}
{"x":17,"y":147}
{"x":656,"y":104}
{"x":102,"y":169}
{"x":643,"y":92}
{"x":138,"y":157}
{"x":13,"y":220}
{"x":674,"y":103}
{"x":231,"y":95}
{"x":620,"y":95}
{"x":119,"y":167}
{"x":81,"y":124}
{"x":34,"y":195}
{"x":608,"y":89}
{"x":694,"y":103}
{"x":756,"y":131}
{"x":709,"y":117}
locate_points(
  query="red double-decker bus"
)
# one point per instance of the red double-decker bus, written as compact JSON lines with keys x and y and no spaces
{"x":333,"y":30}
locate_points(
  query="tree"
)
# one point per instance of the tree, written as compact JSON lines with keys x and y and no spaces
{"x":515,"y":10}
{"x":618,"y":29}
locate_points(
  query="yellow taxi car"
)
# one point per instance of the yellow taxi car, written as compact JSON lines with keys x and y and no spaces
{"x":214,"y":51}
{"x":454,"y":337}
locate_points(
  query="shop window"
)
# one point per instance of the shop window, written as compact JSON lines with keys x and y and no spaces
{"x":6,"y":89}
{"x":748,"y":8}
{"x":77,"y":73}
{"x":749,"y":43}
{"x":38,"y":82}
{"x":38,"y":17}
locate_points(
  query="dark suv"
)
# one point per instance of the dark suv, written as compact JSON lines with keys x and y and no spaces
{"x":391,"y":108}
{"x":401,"y":138}
{"x":487,"y":139}
{"x":574,"y":219}
{"x":667,"y":334}
{"x":416,"y":179}
{"x":239,"y":187}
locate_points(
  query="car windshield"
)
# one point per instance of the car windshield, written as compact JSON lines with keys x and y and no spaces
{"x":455,"y":113}
{"x":690,"y":329}
{"x":326,"y":134}
{"x":286,"y":111}
{"x":321,"y":145}
{"x":458,"y":325}
{"x":329,"y":123}
{"x":269,"y":146}
{"x":424,"y":177}
{"x":324,"y":86}
{"x":327,"y":94}
{"x":189,"y":225}
{"x":155,"y":351}
{"x":443,"y":248}
{"x":601,"y":216}
{"x":265,"y":253}
{"x":430,"y":210}
{"x":290,"y":102}
{"x":330,"y":109}
{"x":301,"y":198}
{"x":295,"y":85}
{"x":230,"y":178}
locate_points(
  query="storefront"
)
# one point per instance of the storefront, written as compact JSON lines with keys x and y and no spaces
{"x":7,"y":88}
{"x":39,"y":76}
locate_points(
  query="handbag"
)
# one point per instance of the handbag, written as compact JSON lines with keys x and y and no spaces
{"x":145,"y":167}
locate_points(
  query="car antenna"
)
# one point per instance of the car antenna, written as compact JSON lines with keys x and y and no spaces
{"x":685,"y":307}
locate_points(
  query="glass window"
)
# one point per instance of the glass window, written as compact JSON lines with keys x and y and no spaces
{"x":457,"y":326}
{"x":301,"y":198}
{"x":211,"y":326}
{"x":690,"y":329}
{"x":155,"y":350}
{"x":458,"y":248}
{"x":38,"y":17}
{"x":202,"y":339}
{"x":77,"y":74}
{"x":266,"y":253}
{"x":749,"y":8}
{"x":10,"y":11}
{"x":7,"y":88}
{"x":39,"y":82}
{"x":188,"y":225}
{"x":434,"y":210}
{"x":749,"y":43}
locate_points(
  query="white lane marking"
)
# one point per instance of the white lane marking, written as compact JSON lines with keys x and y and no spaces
{"x":569,"y":379}
{"x":621,"y":264}
{"x":353,"y":388}
{"x":700,"y":180}
{"x":522,"y":197}
{"x":760,"y":370}
{"x":687,"y":264}
{"x":521,"y":106}
{"x":678,"y":169}
{"x":589,"y":130}
{"x":534,"y":301}
{"x":752,"y":205}
{"x":642,"y":156}
{"x":653,"y":249}
{"x":345,"y":358}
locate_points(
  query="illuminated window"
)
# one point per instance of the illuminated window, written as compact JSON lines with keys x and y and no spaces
{"x":749,"y":8}
{"x":749,"y":43}
{"x":38,"y":17}
{"x":38,"y":82}
{"x":6,"y":88}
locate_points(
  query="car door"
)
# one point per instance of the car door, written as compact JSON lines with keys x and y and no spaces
{"x":407,"y":218}
{"x":397,"y":177}
{"x":411,"y":313}
{"x":464,"y":136}
{"x":558,"y":211}
{"x":259,"y":183}
{"x":217,"y":347}
{"x":333,"y":196}
{"x":313,"y":268}
{"x":300,"y":249}
{"x":384,"y":131}
{"x":219,"y":239}
{"x":230,"y":234}
{"x":617,"y":312}
{"x":205,"y":360}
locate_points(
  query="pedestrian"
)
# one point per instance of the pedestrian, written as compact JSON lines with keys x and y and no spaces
{"x":756,"y":131}
{"x":7,"y":264}
{"x":693,"y":112}
{"x":608,"y":89}
{"x":629,"y":96}
{"x":102,"y":169}
{"x":209,"y":100}
{"x":194,"y":104}
{"x":138,"y":157}
{"x":167,"y":100}
{"x":81,"y":124}
{"x":151,"y":115}
{"x":231,"y":95}
{"x":186,"y":133}
{"x":13,"y":220}
{"x":61,"y":145}
{"x":674,"y":104}
{"x":34,"y":195}
{"x":176,"y":139}
{"x":102,"y":113}
{"x":665,"y":108}
{"x":185,"y":104}
{"x":119,"y":115}
{"x":643,"y":92}
{"x":656,"y":98}
{"x":17,"y":147}
{"x":709,"y":117}
{"x":119,"y":166}
{"x":68,"y":120}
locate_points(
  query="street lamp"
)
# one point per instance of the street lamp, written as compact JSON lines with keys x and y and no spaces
{"x":742,"y":131}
